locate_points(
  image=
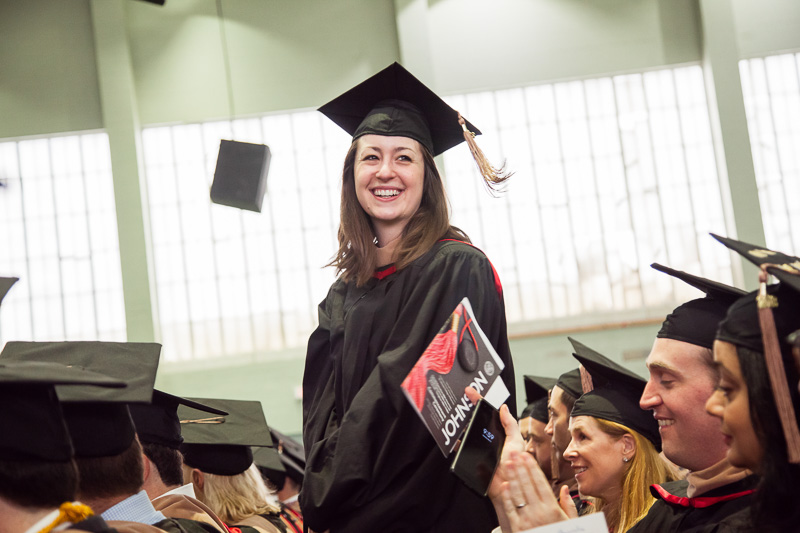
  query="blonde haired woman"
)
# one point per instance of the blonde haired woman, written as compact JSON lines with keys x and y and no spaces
{"x":614,"y":453}
{"x":239,"y":500}
{"x":218,"y":462}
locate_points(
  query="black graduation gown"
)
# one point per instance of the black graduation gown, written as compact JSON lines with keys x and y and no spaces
{"x":371,"y":463}
{"x":724,"y":509}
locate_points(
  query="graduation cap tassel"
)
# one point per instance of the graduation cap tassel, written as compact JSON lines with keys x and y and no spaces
{"x":439,"y":357}
{"x":491,"y":176}
{"x":586,"y":380}
{"x":775,"y":368}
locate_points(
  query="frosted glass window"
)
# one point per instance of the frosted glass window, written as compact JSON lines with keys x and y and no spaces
{"x":59,"y":229}
{"x":612,"y":174}
{"x":771,"y":89}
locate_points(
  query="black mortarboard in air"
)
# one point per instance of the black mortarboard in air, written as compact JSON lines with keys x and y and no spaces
{"x":268,"y":461}
{"x":99,"y":421}
{"x":221,"y":445}
{"x":5,"y":286}
{"x":31,"y":423}
{"x":158,"y":422}
{"x":615,"y":396}
{"x":696,"y":321}
{"x":292,"y":455}
{"x":571,"y":382}
{"x":537,"y":392}
{"x":393,"y":102}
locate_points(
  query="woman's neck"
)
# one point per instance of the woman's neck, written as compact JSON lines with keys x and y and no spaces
{"x":385,"y":252}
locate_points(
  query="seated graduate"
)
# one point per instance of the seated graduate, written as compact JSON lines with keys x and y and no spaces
{"x":38,"y":476}
{"x":218,"y":461}
{"x":159,"y":432}
{"x":614,"y":452}
{"x":757,"y":398}
{"x":107,"y":452}
{"x":682,"y":378}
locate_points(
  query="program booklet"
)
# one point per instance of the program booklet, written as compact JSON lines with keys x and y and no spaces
{"x":459,"y":355}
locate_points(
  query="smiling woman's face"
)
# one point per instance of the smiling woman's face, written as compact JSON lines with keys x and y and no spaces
{"x":389,"y":173}
{"x":730,"y":402}
{"x":596,"y":458}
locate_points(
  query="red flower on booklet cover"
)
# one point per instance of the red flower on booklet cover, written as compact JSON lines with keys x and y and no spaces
{"x":439,"y":357}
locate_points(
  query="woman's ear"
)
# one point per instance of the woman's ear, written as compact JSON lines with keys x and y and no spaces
{"x":628,"y":445}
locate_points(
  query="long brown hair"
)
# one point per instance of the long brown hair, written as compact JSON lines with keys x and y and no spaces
{"x":356,"y":258}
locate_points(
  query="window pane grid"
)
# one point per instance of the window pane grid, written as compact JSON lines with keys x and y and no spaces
{"x":771,"y":90}
{"x":57,"y":214}
{"x":615,"y":173}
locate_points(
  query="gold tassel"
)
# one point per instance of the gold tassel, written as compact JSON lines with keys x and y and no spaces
{"x":492,"y":176}
{"x":777,"y":372}
{"x":586,"y":380}
{"x":69,"y":512}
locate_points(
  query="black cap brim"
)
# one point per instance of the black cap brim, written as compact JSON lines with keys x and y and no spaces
{"x":221,"y":445}
{"x":135,"y":363}
{"x":719,"y":291}
{"x":158,"y":422}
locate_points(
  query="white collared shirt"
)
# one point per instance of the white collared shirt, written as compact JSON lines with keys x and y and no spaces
{"x":186,"y":490}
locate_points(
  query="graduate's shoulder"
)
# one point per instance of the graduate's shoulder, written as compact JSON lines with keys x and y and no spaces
{"x":448,"y":249}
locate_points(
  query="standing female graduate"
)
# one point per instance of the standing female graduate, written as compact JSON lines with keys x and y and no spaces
{"x":403,"y":269}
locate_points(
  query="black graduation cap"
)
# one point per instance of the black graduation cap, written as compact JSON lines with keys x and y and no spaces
{"x":292,"y":455}
{"x":5,"y":286}
{"x":616,"y":394}
{"x":741,"y":326}
{"x":31,"y":423}
{"x":394,"y":102}
{"x":571,"y":382}
{"x":221,"y":445}
{"x":268,"y":461}
{"x":158,"y":422}
{"x":784,"y":267}
{"x":99,"y":421}
{"x":696,"y":321}
{"x":537,"y":392}
{"x":135,"y":363}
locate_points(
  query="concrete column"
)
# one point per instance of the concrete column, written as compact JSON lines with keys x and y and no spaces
{"x":729,"y":129}
{"x":121,"y":121}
